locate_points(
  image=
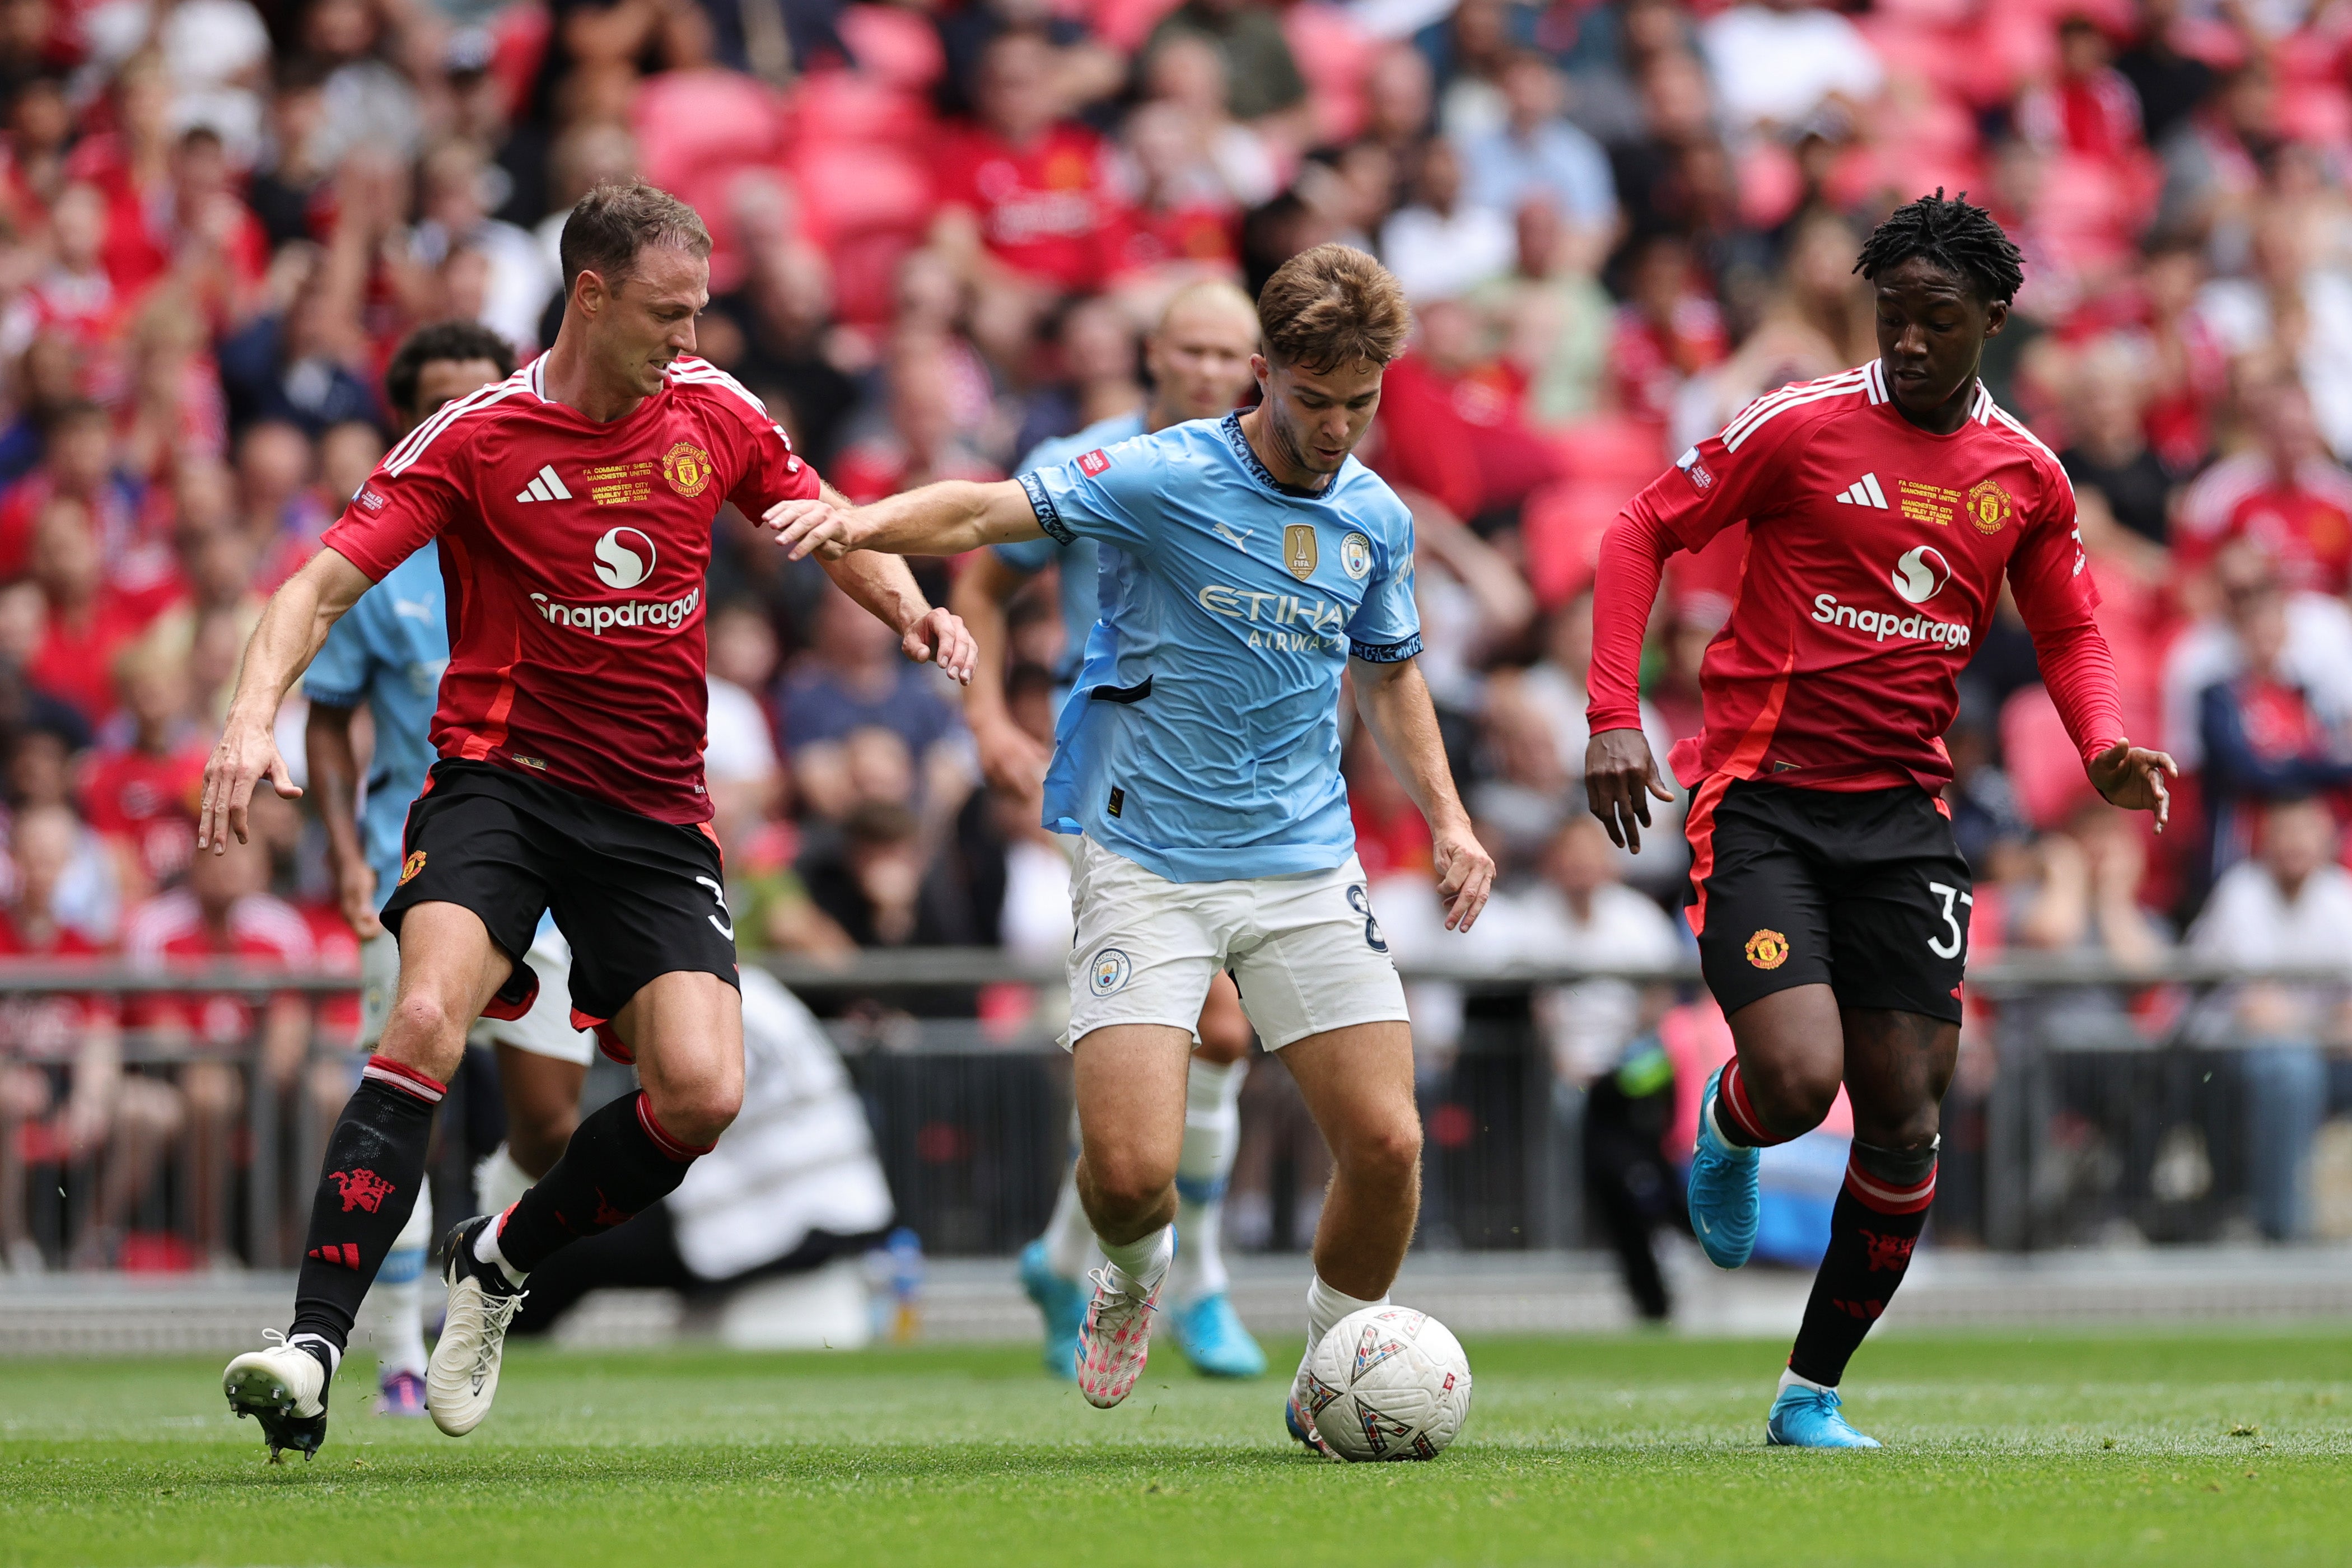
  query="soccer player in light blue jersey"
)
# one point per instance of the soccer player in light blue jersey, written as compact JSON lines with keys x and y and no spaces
{"x":1246,"y":563}
{"x":386,"y":655}
{"x":1199,"y":357}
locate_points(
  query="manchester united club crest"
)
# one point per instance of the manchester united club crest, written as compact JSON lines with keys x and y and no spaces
{"x":686,"y":467}
{"x":413,"y":865}
{"x":361,"y":1189}
{"x":1298,"y":550}
{"x":1987,"y":506}
{"x":1768,"y":950}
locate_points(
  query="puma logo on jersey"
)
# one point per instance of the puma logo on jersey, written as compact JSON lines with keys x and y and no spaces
{"x":1865,"y":491}
{"x":1238,"y":540}
{"x":544,"y":486}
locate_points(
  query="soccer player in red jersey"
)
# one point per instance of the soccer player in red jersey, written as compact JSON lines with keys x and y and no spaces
{"x":572,"y":503}
{"x":1883,"y":508}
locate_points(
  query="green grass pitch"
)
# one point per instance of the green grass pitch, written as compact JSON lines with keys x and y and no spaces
{"x":2216,"y":1448}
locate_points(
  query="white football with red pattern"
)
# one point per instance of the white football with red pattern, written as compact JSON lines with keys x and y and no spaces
{"x":1388,"y":1383}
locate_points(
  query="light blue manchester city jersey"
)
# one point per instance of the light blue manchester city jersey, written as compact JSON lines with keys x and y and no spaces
{"x":1080,"y":564}
{"x":1203,"y":741}
{"x":388,"y":651}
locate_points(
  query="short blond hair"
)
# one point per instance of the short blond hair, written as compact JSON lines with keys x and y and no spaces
{"x":1331,"y":306}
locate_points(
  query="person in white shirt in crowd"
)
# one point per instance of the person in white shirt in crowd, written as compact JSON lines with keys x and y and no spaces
{"x":745,"y":775}
{"x":1444,"y":245}
{"x":791,"y":1184}
{"x":1611,"y":1078}
{"x":2289,"y":906}
{"x":1536,"y":154}
{"x":1777,"y":64}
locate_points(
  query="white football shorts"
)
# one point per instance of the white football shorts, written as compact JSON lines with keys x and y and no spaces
{"x":1304,"y":950}
{"x":545,"y":1031}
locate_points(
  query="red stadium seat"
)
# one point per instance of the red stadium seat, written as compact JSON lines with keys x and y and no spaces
{"x":690,"y":121}
{"x":847,"y":189}
{"x":1335,"y":56}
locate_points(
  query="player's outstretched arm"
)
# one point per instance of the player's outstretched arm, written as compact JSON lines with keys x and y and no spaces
{"x":1395,"y":700}
{"x":945,"y":518}
{"x":886,"y":588}
{"x":293,"y":626}
{"x":2132,"y":777}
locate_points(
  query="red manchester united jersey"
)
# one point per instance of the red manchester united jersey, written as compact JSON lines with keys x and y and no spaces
{"x":1875,"y":556}
{"x":572,"y":554}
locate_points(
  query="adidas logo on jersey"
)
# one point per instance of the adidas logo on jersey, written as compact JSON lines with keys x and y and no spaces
{"x":1865,"y":491}
{"x":545,"y":486}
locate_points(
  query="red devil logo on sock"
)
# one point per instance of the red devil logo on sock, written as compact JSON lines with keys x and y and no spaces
{"x":1888,"y":1251}
{"x":362,"y":1189}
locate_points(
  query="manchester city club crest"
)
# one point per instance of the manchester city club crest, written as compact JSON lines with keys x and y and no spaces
{"x":1298,"y":550}
{"x":686,"y":467}
{"x":1356,"y":556}
{"x":1110,"y":971}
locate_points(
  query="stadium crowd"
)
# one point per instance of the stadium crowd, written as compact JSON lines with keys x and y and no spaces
{"x":941,"y":230}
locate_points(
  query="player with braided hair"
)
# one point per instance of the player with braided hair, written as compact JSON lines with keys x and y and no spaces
{"x":1884,"y":507}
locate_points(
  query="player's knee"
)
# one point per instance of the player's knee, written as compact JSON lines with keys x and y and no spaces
{"x":1792,"y":1098}
{"x":1125,"y":1183}
{"x":1389,"y":1152}
{"x":420,"y":1031}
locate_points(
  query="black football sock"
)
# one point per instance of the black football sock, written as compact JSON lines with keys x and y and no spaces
{"x":373,"y":1171}
{"x":1735,"y":1113}
{"x":1877,"y":1220}
{"x":619,"y":1162}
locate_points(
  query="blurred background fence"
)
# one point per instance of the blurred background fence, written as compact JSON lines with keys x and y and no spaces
{"x":2095,"y":1105}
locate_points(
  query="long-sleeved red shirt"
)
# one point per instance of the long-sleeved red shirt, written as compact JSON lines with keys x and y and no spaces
{"x":1876,"y":554}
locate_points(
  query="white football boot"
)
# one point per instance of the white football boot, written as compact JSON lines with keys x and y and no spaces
{"x":283,"y":1387}
{"x":462,"y":1377}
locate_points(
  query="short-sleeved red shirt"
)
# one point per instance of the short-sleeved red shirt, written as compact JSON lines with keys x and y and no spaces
{"x":574,"y":555}
{"x":168,"y":932}
{"x":1874,"y":557}
{"x":148,"y":802}
{"x":49,"y":1025}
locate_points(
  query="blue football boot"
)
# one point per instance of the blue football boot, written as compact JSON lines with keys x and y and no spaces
{"x":1063,"y":1303}
{"x":1806,"y":1418}
{"x":1724,"y":1191}
{"x":1209,"y":1333}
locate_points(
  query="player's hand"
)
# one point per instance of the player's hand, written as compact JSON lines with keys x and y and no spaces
{"x":1465,"y":874}
{"x":1011,"y":759}
{"x":941,"y":637}
{"x":247,"y":753}
{"x":356,"y":889}
{"x":1619,"y":777}
{"x":2132,"y":777}
{"x":805,"y":528}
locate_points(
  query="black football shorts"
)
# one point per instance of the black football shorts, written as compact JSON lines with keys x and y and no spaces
{"x":635,"y":898}
{"x":1864,"y":892}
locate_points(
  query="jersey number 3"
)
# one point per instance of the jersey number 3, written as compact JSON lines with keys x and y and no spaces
{"x":1937,"y":944}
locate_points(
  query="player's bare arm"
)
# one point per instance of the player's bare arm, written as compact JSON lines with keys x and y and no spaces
{"x":886,"y":587}
{"x":1620,"y":776}
{"x":1010,"y":757}
{"x":335,"y":776}
{"x":945,"y":518}
{"x":293,"y":628}
{"x":1394,"y":701}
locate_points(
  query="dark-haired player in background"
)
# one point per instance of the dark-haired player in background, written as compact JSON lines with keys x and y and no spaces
{"x":1883,"y":507}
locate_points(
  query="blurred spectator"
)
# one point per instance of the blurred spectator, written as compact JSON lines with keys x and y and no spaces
{"x":854,"y":679}
{"x":88,"y":620}
{"x":2262,"y":737}
{"x":1554,"y":316}
{"x":2090,"y":109}
{"x":2286,"y":496}
{"x":1582,"y":912}
{"x":1536,"y":154}
{"x":1261,"y":78}
{"x":141,"y":789}
{"x":2290,"y":907}
{"x":1027,"y":201}
{"x":2084,"y":899}
{"x":1443,"y":245}
{"x":921,"y":443}
{"x":874,"y":881}
{"x":225,"y":913}
{"x":2316,"y":655}
{"x":739,"y":762}
{"x":1667,"y":331}
{"x":2168,"y":83}
{"x":1099,"y":381}
{"x":2117,"y":475}
{"x":127,"y":1117}
{"x":456,"y":217}
{"x":1778,"y":63}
